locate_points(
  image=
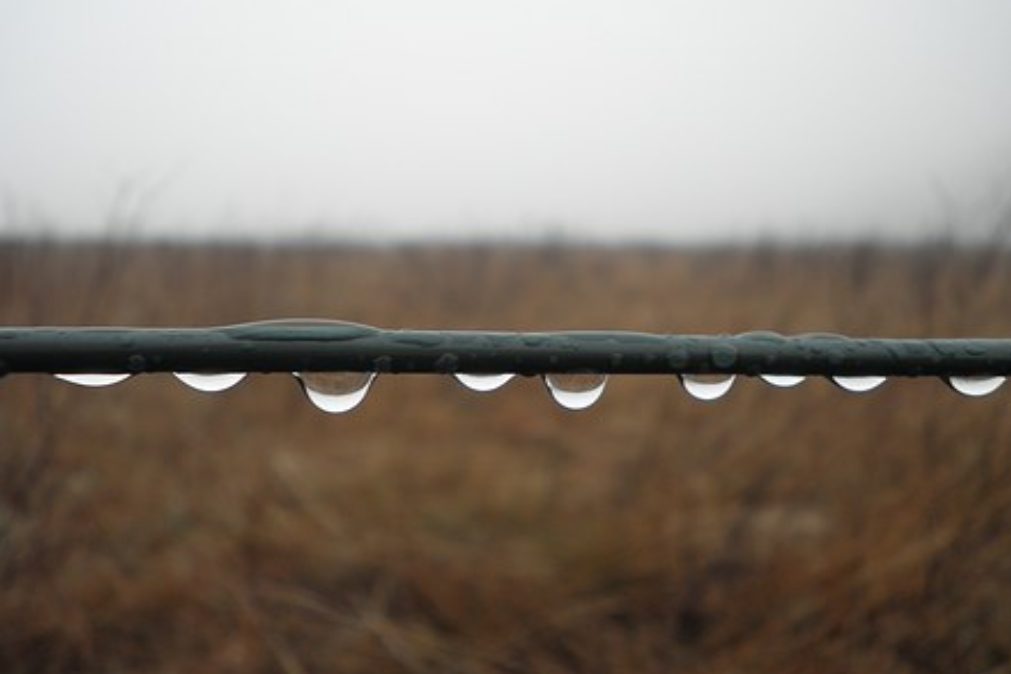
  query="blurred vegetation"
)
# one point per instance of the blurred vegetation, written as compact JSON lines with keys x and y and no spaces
{"x":150,"y":528}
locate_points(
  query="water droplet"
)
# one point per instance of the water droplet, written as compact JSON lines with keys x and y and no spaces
{"x":763,"y":335}
{"x":335,"y":392}
{"x":707,"y":386}
{"x":783,"y":380}
{"x":425,"y":338}
{"x":210,"y":382}
{"x":96,"y":379}
{"x":976,"y":385}
{"x":382,"y":363}
{"x":859,"y":384}
{"x":678,"y":356}
{"x":447,"y":362}
{"x":576,"y":391}
{"x":483,"y":382}
{"x":302,"y":329}
{"x":723,"y":356}
{"x":136,"y":363}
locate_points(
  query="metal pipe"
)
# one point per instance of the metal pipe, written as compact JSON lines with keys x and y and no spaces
{"x":331,"y":346}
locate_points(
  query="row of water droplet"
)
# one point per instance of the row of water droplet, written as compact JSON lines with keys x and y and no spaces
{"x":338,"y":392}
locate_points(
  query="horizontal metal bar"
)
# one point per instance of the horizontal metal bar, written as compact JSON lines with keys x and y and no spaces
{"x":329,"y":346}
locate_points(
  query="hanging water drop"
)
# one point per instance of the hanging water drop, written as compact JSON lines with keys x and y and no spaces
{"x":210,"y":382}
{"x":859,"y":384}
{"x":707,"y":386}
{"x":335,"y":392}
{"x":483,"y":382}
{"x":783,"y":380}
{"x":575,"y":391}
{"x":976,"y":385}
{"x":94,"y":379}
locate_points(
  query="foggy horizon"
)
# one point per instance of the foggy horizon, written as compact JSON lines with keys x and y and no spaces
{"x":599,"y":122}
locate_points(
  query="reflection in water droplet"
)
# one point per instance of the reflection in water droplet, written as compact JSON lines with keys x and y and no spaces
{"x":335,"y":392}
{"x":102,"y":379}
{"x":859,"y":384}
{"x":575,"y":391}
{"x":483,"y":382}
{"x":707,"y":386}
{"x":976,"y":386}
{"x":210,"y":382}
{"x":782,"y":380}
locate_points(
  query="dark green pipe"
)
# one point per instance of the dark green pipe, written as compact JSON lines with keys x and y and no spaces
{"x":287,"y":346}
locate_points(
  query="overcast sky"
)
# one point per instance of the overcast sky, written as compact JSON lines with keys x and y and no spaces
{"x":605,"y":119}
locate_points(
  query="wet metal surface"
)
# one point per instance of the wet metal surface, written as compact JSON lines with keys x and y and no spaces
{"x":334,"y":346}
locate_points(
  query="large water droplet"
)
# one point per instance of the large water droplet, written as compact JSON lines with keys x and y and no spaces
{"x":707,"y":386}
{"x":976,"y":385}
{"x":483,"y":382}
{"x":859,"y":384}
{"x":335,"y":392}
{"x":210,"y":382}
{"x":783,"y":380}
{"x":96,"y":379}
{"x":575,"y":391}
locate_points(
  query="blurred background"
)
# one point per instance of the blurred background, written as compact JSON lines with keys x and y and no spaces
{"x":708,"y":167}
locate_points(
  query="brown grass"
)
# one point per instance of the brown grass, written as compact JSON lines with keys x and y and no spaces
{"x":149,"y":528}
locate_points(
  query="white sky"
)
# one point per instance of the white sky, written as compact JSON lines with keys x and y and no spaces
{"x":606,"y":119}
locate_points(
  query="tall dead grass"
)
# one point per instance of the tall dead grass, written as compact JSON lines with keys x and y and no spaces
{"x":151,"y":528}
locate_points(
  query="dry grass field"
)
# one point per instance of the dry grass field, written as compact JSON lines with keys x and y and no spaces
{"x":150,"y":528}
